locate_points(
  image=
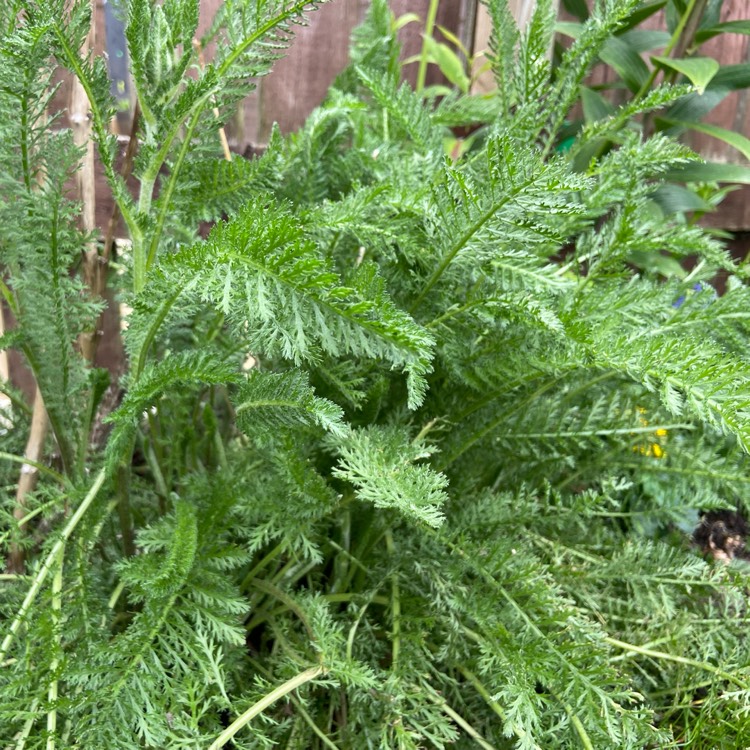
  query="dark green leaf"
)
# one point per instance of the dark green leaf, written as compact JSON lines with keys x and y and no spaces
{"x":625,"y":59}
{"x":734,"y":139}
{"x":729,"y":27}
{"x":595,"y":106}
{"x":577,"y":8}
{"x":710,"y":172}
{"x":674,"y":199}
{"x":699,"y":70}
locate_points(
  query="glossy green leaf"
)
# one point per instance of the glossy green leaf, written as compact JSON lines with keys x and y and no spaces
{"x":577,"y":8}
{"x":710,"y":172}
{"x":695,"y":107}
{"x":641,"y":13}
{"x":674,"y":199}
{"x":454,"y":40}
{"x":711,"y":15}
{"x":657,"y":263}
{"x":645,"y":40}
{"x":734,"y":139}
{"x":626,"y":61}
{"x":732,"y":77}
{"x":673,"y":12}
{"x":449,"y":63}
{"x":699,"y":70}
{"x":730,"y":27}
{"x":569,"y":28}
{"x":406,"y":19}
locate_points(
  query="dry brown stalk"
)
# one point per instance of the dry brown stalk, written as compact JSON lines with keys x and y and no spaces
{"x":80,"y":122}
{"x":29,"y":475}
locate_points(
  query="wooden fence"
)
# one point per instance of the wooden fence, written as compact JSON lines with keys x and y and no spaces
{"x":299,"y":81}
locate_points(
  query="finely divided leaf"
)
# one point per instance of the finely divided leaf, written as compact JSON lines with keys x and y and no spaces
{"x":274,"y":285}
{"x":188,"y":367}
{"x":268,"y":402}
{"x":380,"y":463}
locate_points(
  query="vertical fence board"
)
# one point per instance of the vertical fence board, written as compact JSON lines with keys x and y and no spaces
{"x":300,"y":80}
{"x":320,"y":52}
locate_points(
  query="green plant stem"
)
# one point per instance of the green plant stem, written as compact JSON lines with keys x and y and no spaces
{"x":602,"y":433}
{"x":49,"y":562}
{"x":52,"y":692}
{"x":341,"y":566}
{"x":578,"y":726}
{"x":267,"y":700}
{"x":429,"y":29}
{"x":116,"y":595}
{"x":123,"y":505}
{"x":353,"y":630}
{"x":311,"y":723}
{"x":298,"y":705}
{"x":160,"y":317}
{"x":351,"y":558}
{"x":239,"y":49}
{"x":166,"y":197}
{"x":100,"y":129}
{"x":9,"y":298}
{"x":461,"y":243}
{"x":270,"y":557}
{"x":458,"y":719}
{"x":40,"y":467}
{"x":36,"y":512}
{"x":493,"y":704}
{"x":264,"y":615}
{"x":395,"y":605}
{"x":277,"y":593}
{"x":153,"y":463}
{"x":23,"y":735}
{"x":695,"y":7}
{"x":369,"y":540}
{"x":705,"y":666}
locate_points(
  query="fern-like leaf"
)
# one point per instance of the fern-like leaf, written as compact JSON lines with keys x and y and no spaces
{"x":273,"y":401}
{"x":380,"y":463}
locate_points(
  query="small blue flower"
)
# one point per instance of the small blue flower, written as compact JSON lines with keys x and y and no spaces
{"x":681,"y":300}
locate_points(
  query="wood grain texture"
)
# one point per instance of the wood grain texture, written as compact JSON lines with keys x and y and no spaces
{"x":320,"y":52}
{"x":299,"y":82}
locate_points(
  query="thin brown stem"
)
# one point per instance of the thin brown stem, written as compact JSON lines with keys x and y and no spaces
{"x":29,"y":476}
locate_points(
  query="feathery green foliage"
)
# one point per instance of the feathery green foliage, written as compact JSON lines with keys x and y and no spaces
{"x":407,"y":451}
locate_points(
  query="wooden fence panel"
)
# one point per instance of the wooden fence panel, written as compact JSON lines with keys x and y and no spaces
{"x":320,"y":51}
{"x":299,"y":82}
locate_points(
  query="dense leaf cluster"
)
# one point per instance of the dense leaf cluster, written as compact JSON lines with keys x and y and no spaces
{"x":449,"y":503}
